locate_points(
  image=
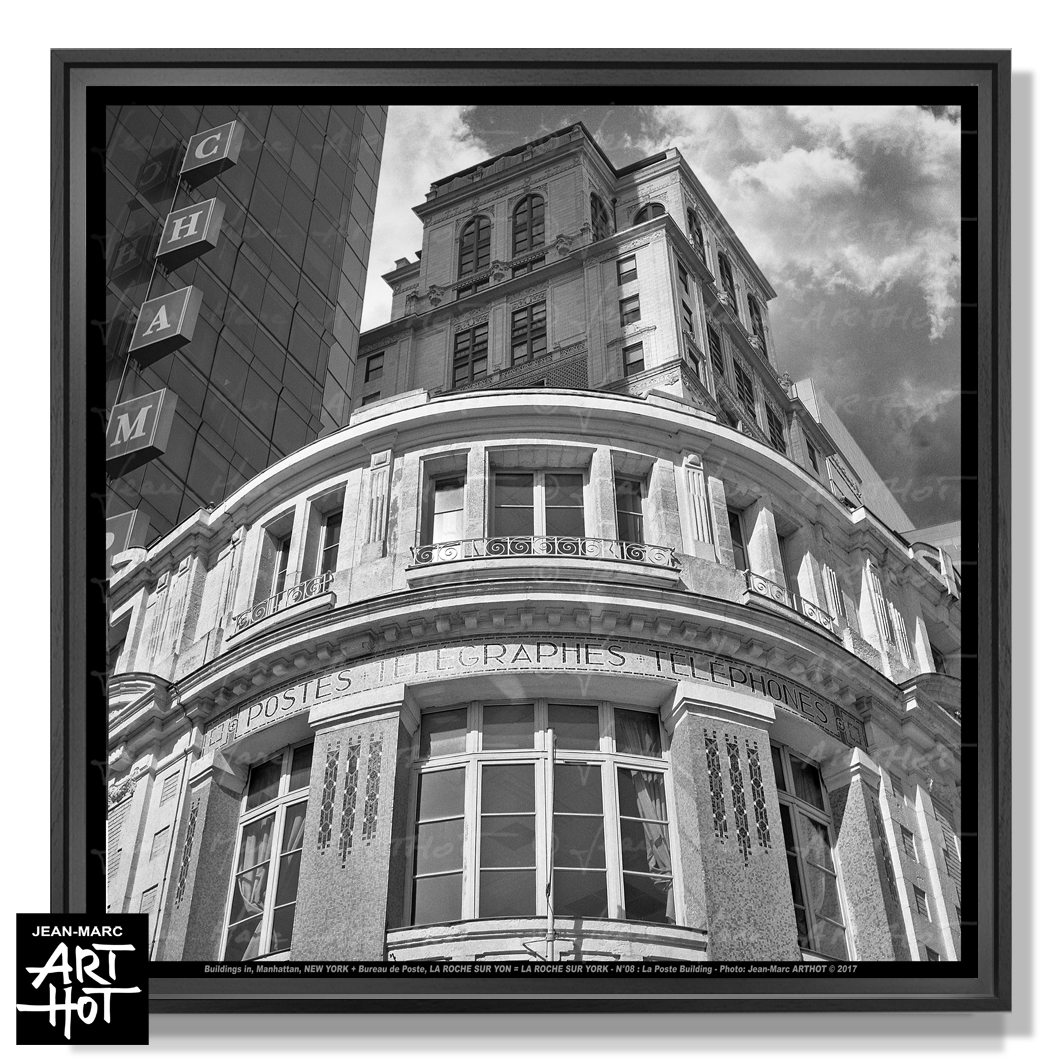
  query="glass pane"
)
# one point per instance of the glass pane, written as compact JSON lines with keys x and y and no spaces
{"x":776,"y":763}
{"x":283,"y":920}
{"x":823,"y":897}
{"x":581,"y":893}
{"x":815,"y":842}
{"x":806,"y":782}
{"x":301,"y":760}
{"x":256,"y":842}
{"x":437,"y":900}
{"x":637,"y":732}
{"x":242,"y":942}
{"x":450,"y":495}
{"x":564,"y":489}
{"x":439,"y":846}
{"x":575,"y":726}
{"x":830,"y":940}
{"x":442,"y":794}
{"x":645,"y":846}
{"x":787,"y":829}
{"x":505,"y":893}
{"x":249,"y":893}
{"x":579,"y":841}
{"x":564,"y":522}
{"x":263,"y":781}
{"x":514,"y":488}
{"x":649,"y":899}
{"x":447,"y":527}
{"x":628,"y":527}
{"x":507,"y":841}
{"x":641,"y":794}
{"x":294,"y":821}
{"x":795,"y":881}
{"x":508,"y":788}
{"x":509,"y":727}
{"x":578,"y":788}
{"x":443,"y":732}
{"x":288,"y":878}
{"x":514,"y":521}
{"x":803,"y":938}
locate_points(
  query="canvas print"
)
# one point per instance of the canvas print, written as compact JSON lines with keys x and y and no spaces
{"x":534,"y":534}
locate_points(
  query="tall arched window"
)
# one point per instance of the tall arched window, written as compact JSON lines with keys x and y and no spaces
{"x":757,"y":322}
{"x":529,"y":224}
{"x":728,"y":280}
{"x":651,"y":210}
{"x":696,"y":237}
{"x":474,"y":251}
{"x":599,"y":218}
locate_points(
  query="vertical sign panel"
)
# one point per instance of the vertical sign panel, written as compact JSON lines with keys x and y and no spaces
{"x":165,"y":324}
{"x":139,"y":430}
{"x":212,"y":152}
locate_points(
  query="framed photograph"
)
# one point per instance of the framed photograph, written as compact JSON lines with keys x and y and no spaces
{"x":508,"y":555}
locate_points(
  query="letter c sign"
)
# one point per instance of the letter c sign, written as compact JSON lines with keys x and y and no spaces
{"x":211,"y":152}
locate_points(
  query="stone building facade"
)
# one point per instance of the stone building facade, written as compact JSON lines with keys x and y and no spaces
{"x":577,"y":643}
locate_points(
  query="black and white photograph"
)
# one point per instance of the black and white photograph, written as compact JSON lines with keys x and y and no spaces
{"x":532,"y":539}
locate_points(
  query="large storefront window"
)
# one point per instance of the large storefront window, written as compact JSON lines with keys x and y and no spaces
{"x":579,"y":823}
{"x":810,"y":855}
{"x":266,"y":870}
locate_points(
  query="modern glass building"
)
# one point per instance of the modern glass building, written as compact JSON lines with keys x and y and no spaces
{"x":270,"y":366}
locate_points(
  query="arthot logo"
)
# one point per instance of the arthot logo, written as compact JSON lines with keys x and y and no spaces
{"x":81,"y":982}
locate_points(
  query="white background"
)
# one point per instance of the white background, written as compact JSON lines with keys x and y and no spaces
{"x":1034,"y":1026}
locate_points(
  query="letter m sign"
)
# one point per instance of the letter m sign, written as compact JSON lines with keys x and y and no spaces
{"x":138,"y":431}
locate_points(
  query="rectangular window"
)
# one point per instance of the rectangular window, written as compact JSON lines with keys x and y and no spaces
{"x":629,"y":310}
{"x":688,"y":319}
{"x":368,"y":399}
{"x":626,"y":270}
{"x":266,"y":870}
{"x":807,"y":839}
{"x":374,"y":366}
{"x":528,"y":333}
{"x":908,"y":840}
{"x":716,"y":352}
{"x":738,"y":540}
{"x":776,"y":432}
{"x":920,"y":902}
{"x":931,"y":955}
{"x":470,"y":355}
{"x":158,"y":843}
{"x":539,"y":503}
{"x":169,"y":787}
{"x":634,"y":361}
{"x":746,"y":392}
{"x":446,"y":517}
{"x":527,"y":267}
{"x":897,"y":786}
{"x":147,"y":900}
{"x":813,"y":456}
{"x":114,"y":861}
{"x":280,"y":571}
{"x":330,"y":542}
{"x":594,"y":802}
{"x":684,"y":277}
{"x":628,"y":510}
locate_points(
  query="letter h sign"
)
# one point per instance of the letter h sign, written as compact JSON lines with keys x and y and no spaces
{"x":190,"y":232}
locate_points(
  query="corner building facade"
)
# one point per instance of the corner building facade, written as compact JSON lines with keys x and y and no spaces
{"x":577,"y":643}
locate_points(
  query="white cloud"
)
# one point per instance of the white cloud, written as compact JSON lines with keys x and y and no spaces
{"x":421,"y":145}
{"x":862,"y":198}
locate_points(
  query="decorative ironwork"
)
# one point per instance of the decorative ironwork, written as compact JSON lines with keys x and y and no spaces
{"x":301,"y":592}
{"x":738,"y":797}
{"x":814,"y":613}
{"x":350,"y":797}
{"x":328,"y":799}
{"x":372,"y":788}
{"x":760,"y":805}
{"x":186,"y":852}
{"x":758,"y":584}
{"x":767,"y":589}
{"x":545,"y":546}
{"x":712,"y":760}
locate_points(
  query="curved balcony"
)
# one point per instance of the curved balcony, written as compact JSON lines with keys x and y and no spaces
{"x":766,"y":588}
{"x":316,"y":588}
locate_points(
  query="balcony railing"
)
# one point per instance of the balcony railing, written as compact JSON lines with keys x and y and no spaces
{"x":545,"y":546}
{"x":301,"y":592}
{"x":766,"y":588}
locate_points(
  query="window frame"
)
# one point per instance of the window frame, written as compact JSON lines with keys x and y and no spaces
{"x":736,"y":517}
{"x":625,"y":314}
{"x":789,"y":798}
{"x":479,"y":245}
{"x":629,"y":364}
{"x":539,"y":500}
{"x":474,"y":756}
{"x":624,"y":276}
{"x":641,"y":495}
{"x":908,"y":844}
{"x":601,"y":214}
{"x":472,"y":355}
{"x":332,"y":519}
{"x":524,"y":230}
{"x":647,"y":213}
{"x":374,"y":366}
{"x":277,"y":808}
{"x":697,"y":235}
{"x":431,"y":514}
{"x":531,"y":332}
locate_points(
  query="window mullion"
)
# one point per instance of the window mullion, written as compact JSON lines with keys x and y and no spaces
{"x":539,"y":497}
{"x":614,"y":851}
{"x":470,"y":858}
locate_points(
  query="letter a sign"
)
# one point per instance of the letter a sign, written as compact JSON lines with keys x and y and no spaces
{"x":212,"y":152}
{"x":138,"y":431}
{"x":190,"y":232}
{"x":164,"y":324}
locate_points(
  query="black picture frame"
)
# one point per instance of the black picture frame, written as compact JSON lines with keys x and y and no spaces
{"x":78,"y":691}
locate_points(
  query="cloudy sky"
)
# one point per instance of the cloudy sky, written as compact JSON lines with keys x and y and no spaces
{"x":851,"y":212}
